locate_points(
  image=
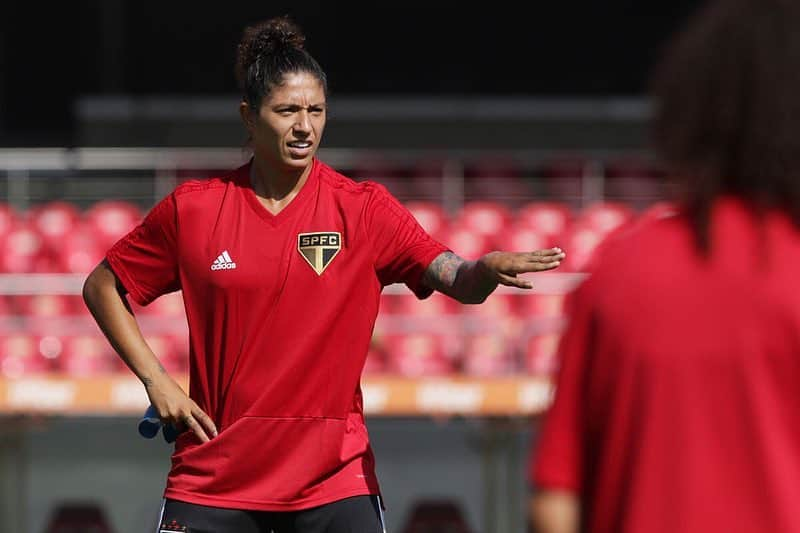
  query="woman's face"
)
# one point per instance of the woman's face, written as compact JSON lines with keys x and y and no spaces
{"x":286,"y":130}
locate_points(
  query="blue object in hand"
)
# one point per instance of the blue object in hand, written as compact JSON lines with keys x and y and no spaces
{"x":151,"y":423}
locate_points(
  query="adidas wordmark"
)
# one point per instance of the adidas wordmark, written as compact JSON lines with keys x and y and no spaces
{"x":223,"y":262}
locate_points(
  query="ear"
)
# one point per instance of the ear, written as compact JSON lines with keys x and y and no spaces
{"x":248,"y":116}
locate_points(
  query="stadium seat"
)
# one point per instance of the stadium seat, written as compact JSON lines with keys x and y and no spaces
{"x":23,"y":251}
{"x":168,"y":349}
{"x":20,"y":356}
{"x":87,"y":355}
{"x":540,"y":305}
{"x":541,"y":354}
{"x":484,"y":217}
{"x":81,"y":252}
{"x":436,"y":516}
{"x":488,"y":354}
{"x":431,"y":216}
{"x":418,"y":355}
{"x":110,"y":220}
{"x":9,"y":218}
{"x":78,"y":517}
{"x":467,"y":243}
{"x":53,"y":221}
{"x":605,"y":217}
{"x":47,"y":305}
{"x":523,"y":239}
{"x":551,"y":219}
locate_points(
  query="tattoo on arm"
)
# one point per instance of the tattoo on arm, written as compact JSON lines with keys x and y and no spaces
{"x":463,"y":280}
{"x":442,"y":272}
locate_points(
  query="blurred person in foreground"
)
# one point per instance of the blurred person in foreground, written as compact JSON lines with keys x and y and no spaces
{"x":281,"y":263}
{"x":677,"y":406}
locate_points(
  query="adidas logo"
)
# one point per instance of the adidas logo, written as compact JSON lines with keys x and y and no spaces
{"x":223,"y":262}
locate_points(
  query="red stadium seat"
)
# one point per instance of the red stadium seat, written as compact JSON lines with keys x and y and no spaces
{"x":467,"y":243}
{"x":48,"y":305}
{"x":484,"y":218}
{"x":417,"y":355}
{"x":78,"y":517}
{"x":540,"y":305}
{"x":546,"y":218}
{"x":9,"y":218}
{"x":489,"y":355}
{"x":110,"y":220}
{"x":436,"y":516}
{"x":87,"y":355}
{"x":523,"y":239}
{"x":541,"y":354}
{"x":23,"y":251}
{"x":81,"y":252}
{"x":580,"y":244}
{"x":605,"y":217}
{"x":54,"y":221}
{"x":20,"y":356}
{"x":168,"y":349}
{"x":431,"y":217}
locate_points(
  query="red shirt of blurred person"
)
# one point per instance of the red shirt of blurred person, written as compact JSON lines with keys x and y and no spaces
{"x":677,"y":408}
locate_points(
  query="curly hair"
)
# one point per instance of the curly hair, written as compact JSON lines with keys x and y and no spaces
{"x":266,"y":53}
{"x":727,"y":107}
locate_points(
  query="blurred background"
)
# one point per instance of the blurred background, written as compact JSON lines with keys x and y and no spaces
{"x":499,"y":127}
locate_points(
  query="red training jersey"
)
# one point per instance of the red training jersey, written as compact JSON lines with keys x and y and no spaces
{"x":677,"y":406}
{"x":281,"y":310}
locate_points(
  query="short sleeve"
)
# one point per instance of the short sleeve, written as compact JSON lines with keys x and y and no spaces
{"x":403,"y":249}
{"x":557,"y":456}
{"x":145,"y":260}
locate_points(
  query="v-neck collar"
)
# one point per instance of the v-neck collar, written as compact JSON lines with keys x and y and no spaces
{"x":305,"y":192}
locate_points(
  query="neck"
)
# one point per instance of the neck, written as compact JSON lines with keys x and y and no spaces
{"x":276,"y":185}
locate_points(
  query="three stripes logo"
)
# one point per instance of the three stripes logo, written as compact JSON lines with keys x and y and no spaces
{"x":319,"y":248}
{"x":223,"y":262}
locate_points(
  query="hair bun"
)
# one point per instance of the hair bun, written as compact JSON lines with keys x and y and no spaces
{"x":266,"y":38}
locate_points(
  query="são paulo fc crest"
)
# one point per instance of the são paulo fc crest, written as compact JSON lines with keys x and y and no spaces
{"x":319,"y":248}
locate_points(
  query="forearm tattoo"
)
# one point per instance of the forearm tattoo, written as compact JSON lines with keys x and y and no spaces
{"x":463,"y":280}
{"x":442,"y":272}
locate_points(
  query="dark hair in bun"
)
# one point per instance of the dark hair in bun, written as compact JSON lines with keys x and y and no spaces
{"x":267,"y":52}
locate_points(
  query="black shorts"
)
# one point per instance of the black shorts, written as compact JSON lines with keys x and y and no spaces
{"x":359,"y":514}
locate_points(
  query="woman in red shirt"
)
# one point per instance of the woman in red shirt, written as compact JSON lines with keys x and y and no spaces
{"x":677,"y":406}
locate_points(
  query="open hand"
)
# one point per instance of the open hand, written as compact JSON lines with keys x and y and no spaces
{"x":503,"y":267}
